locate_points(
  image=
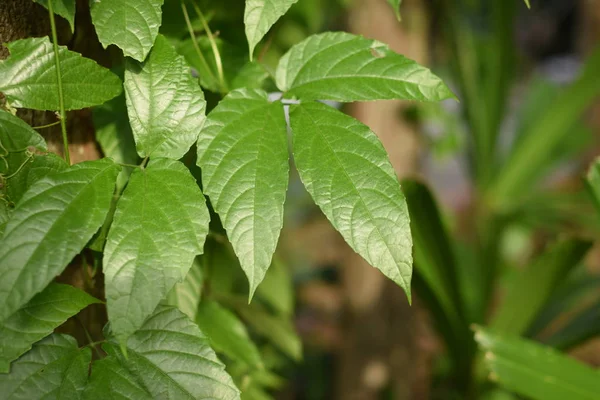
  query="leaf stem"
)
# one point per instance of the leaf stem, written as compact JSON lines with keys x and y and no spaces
{"x":213,"y":45}
{"x":61,"y":101}
{"x":46,"y":126}
{"x":195,"y":41}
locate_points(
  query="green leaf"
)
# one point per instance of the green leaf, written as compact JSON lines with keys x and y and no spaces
{"x":159,"y":226}
{"x":16,"y":135}
{"x":131,"y":25}
{"x":260,"y":15}
{"x":529,"y":290}
{"x":593,"y":182}
{"x":29,"y":77}
{"x":38,"y":318}
{"x":536,"y":371}
{"x":186,"y":295}
{"x":227,"y":334}
{"x":54,"y":368}
{"x":53,"y":221}
{"x":64,"y":8}
{"x":168,"y":357}
{"x":277,"y":289}
{"x":244,"y":159}
{"x":396,"y":6}
{"x":347,"y":172}
{"x":344,"y":67}
{"x":113,"y":132}
{"x":165,"y":104}
{"x":528,"y":3}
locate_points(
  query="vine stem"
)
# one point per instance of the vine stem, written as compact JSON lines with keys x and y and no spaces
{"x":46,"y":126}
{"x":61,"y":100}
{"x":195,"y":41}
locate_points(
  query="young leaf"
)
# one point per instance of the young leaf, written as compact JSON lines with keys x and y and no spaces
{"x":244,"y":159}
{"x":343,"y":67}
{"x":159,"y":226}
{"x":527,"y":3}
{"x":260,"y":15}
{"x":54,"y":368}
{"x":227,"y":334}
{"x":38,"y":318}
{"x":186,"y":295}
{"x":165,"y":104}
{"x":52,"y":222}
{"x":536,"y":371}
{"x":16,"y":135}
{"x":168,"y":357}
{"x":132,"y":25}
{"x":64,"y":8}
{"x":347,"y":172}
{"x":396,"y":6}
{"x":29,"y":77}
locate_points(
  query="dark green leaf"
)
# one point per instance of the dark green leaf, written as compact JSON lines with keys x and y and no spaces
{"x":29,"y":77}
{"x":168,"y":357}
{"x":16,"y":135}
{"x":186,"y":295}
{"x":64,"y":8}
{"x":260,"y":15}
{"x":132,"y":25}
{"x":54,"y":368}
{"x":227,"y":334}
{"x":344,"y":67}
{"x":585,"y":325}
{"x":277,"y":289}
{"x":593,"y":182}
{"x":159,"y":226}
{"x":244,"y":159}
{"x":165,"y":104}
{"x":347,"y":172}
{"x":536,"y":371}
{"x":53,"y":221}
{"x":38,"y":318}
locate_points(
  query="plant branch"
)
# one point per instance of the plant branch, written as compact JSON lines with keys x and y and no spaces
{"x":194,"y":40}
{"x":61,"y":100}
{"x":46,"y":126}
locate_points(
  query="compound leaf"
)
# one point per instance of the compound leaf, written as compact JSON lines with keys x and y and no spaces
{"x":227,"y":334}
{"x":343,"y":67}
{"x":29,"y":77}
{"x":52,"y":222}
{"x":260,"y":15}
{"x":38,"y":318}
{"x":347,"y":172}
{"x":132,"y":25}
{"x":159,"y":226}
{"x":54,"y":368}
{"x":168,"y":357}
{"x":165,"y":104}
{"x":244,"y":159}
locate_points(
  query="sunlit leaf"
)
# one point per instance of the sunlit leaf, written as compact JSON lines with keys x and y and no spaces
{"x":260,"y":15}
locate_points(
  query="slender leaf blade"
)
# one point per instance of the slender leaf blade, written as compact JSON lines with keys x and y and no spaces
{"x":54,"y":368}
{"x":64,"y":8}
{"x":16,"y":135}
{"x":396,"y":6}
{"x":167,"y":357}
{"x":244,"y":159}
{"x":347,"y":172}
{"x":131,"y":25}
{"x":38,"y":318}
{"x":29,"y":77}
{"x":159,"y":226}
{"x":260,"y":15}
{"x":61,"y":211}
{"x":343,"y":67}
{"x":164,"y":102}
{"x":536,"y":371}
{"x":593,"y":182}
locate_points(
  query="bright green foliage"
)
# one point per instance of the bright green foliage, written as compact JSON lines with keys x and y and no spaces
{"x":16,"y":135}
{"x":61,"y":211}
{"x":396,"y":5}
{"x":159,"y":226}
{"x":168,"y":357}
{"x":165,"y":104}
{"x":227,"y":334}
{"x":347,"y":172}
{"x":186,"y":295}
{"x":344,"y":67}
{"x":528,"y":3}
{"x":64,"y":8}
{"x":528,"y":291}
{"x":132,"y":25}
{"x":38,"y":318}
{"x":244,"y":159}
{"x":260,"y":15}
{"x":29,"y":77}
{"x":535,"y":371}
{"x":54,"y":369}
{"x":593,"y":182}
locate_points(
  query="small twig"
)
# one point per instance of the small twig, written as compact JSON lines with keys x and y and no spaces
{"x":47,"y":125}
{"x":195,"y":41}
